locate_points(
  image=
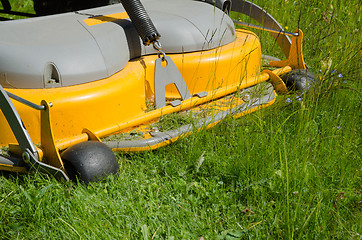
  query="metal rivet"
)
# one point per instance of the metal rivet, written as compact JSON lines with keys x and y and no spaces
{"x":26,"y":156}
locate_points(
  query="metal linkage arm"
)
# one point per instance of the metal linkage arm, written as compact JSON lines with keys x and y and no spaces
{"x":15,"y":122}
{"x":265,"y":19}
{"x":26,"y":102}
{"x":30,"y":153}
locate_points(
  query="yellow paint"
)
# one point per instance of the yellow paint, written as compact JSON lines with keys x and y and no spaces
{"x":51,"y":153}
{"x":95,"y":105}
{"x":295,"y":59}
{"x":106,"y":18}
{"x":118,"y":102}
{"x":10,"y":168}
{"x":16,"y":150}
{"x":233,"y":63}
{"x":277,"y":82}
{"x":91,"y":135}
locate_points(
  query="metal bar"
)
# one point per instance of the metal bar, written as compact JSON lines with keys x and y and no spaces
{"x":26,"y":102}
{"x":265,"y":19}
{"x":45,"y":168}
{"x":266,"y":29}
{"x":18,"y":13}
{"x":6,"y":5}
{"x":15,"y":122}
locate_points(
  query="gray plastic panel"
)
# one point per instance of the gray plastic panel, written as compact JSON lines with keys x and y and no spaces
{"x":191,"y":26}
{"x":80,"y":53}
{"x":28,"y":46}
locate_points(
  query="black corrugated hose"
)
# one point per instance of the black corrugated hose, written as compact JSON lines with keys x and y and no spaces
{"x":144,"y":26}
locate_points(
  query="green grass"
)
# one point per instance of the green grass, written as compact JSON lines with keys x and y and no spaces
{"x":18,"y":6}
{"x":291,"y":171}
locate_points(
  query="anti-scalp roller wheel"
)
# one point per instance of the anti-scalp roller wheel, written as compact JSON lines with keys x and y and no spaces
{"x":144,"y":26}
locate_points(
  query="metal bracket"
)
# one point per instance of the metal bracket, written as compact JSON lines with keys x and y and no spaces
{"x":165,"y":75}
{"x":295,"y":59}
{"x":200,"y":94}
{"x":91,"y":135}
{"x":277,"y":82}
{"x":175,"y":103}
{"x":50,"y":150}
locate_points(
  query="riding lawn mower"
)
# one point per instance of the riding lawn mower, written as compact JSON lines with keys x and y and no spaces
{"x":79,"y":85}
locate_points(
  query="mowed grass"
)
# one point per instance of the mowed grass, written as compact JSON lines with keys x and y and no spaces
{"x":291,"y":171}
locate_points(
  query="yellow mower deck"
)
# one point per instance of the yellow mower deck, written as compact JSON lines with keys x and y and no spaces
{"x":116,"y":110}
{"x":105,"y":106}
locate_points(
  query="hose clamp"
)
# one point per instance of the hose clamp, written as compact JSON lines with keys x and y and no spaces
{"x":157,"y":47}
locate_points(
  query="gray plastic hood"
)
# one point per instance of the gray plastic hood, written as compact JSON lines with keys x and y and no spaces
{"x":63,"y":50}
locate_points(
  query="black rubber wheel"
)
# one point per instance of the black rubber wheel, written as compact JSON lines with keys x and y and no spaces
{"x":89,"y":161}
{"x":299,"y":80}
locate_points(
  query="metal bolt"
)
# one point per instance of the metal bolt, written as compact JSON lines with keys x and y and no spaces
{"x":246,"y":98}
{"x":26,"y":156}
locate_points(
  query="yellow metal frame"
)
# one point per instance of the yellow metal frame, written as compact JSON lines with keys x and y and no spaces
{"x":10,"y":168}
{"x":295,"y":59}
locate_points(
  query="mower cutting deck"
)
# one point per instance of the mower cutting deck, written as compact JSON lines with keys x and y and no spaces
{"x":85,"y":82}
